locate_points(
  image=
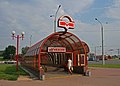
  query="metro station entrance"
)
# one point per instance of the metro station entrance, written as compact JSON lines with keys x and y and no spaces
{"x":54,"y":50}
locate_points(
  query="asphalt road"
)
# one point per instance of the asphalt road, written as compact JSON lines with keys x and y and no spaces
{"x":106,"y":62}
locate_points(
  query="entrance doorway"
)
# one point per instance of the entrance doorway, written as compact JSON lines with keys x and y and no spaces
{"x":59,"y":58}
{"x":56,"y":60}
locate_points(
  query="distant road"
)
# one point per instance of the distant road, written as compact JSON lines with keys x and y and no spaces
{"x":106,"y":62}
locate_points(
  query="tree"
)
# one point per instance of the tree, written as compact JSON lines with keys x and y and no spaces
{"x":24,"y":50}
{"x":9,"y":52}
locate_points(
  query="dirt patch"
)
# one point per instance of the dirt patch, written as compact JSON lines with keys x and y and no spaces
{"x":24,"y":78}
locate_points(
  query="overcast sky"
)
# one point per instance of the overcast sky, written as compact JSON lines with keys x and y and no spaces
{"x":33,"y":17}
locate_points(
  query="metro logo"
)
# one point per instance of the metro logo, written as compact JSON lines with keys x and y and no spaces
{"x":69,"y":25}
{"x":66,"y":25}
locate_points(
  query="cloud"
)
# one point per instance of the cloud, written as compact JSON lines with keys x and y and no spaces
{"x":75,"y":6}
{"x":25,"y":16}
{"x":33,"y":16}
{"x":114,"y":10}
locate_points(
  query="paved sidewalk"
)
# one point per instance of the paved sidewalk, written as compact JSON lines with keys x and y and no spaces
{"x":100,"y":77}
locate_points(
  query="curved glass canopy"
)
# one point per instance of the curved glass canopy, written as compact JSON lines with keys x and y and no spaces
{"x":68,"y":40}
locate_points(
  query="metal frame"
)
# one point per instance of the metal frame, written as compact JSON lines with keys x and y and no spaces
{"x":64,"y":41}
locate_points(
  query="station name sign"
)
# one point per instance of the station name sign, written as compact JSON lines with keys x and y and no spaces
{"x":57,"y":49}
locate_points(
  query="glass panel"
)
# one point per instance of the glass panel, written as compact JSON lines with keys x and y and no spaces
{"x":67,"y":34}
{"x":37,"y":50}
{"x":79,"y":44}
{"x":70,"y":40}
{"x":68,"y":47}
{"x":74,"y":38}
{"x":82,"y":51}
{"x":82,"y":59}
{"x":63,"y":36}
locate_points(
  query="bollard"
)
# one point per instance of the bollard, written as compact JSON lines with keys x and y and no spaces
{"x":88,"y":73}
{"x":43,"y":77}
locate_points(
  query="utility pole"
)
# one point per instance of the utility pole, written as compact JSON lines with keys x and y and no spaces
{"x":118,"y":52}
{"x":30,"y":39}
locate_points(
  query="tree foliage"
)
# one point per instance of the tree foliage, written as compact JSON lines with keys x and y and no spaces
{"x":24,"y":50}
{"x":9,"y":52}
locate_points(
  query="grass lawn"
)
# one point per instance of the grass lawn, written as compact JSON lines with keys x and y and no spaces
{"x":1,"y":58}
{"x":105,"y":66}
{"x":8,"y":72}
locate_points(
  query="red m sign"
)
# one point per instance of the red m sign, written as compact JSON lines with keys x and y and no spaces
{"x":67,"y":25}
{"x":64,"y":24}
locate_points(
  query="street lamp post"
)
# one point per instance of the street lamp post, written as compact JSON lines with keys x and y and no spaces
{"x":17,"y":45}
{"x":30,"y":39}
{"x":55,"y":17}
{"x":103,"y":59}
